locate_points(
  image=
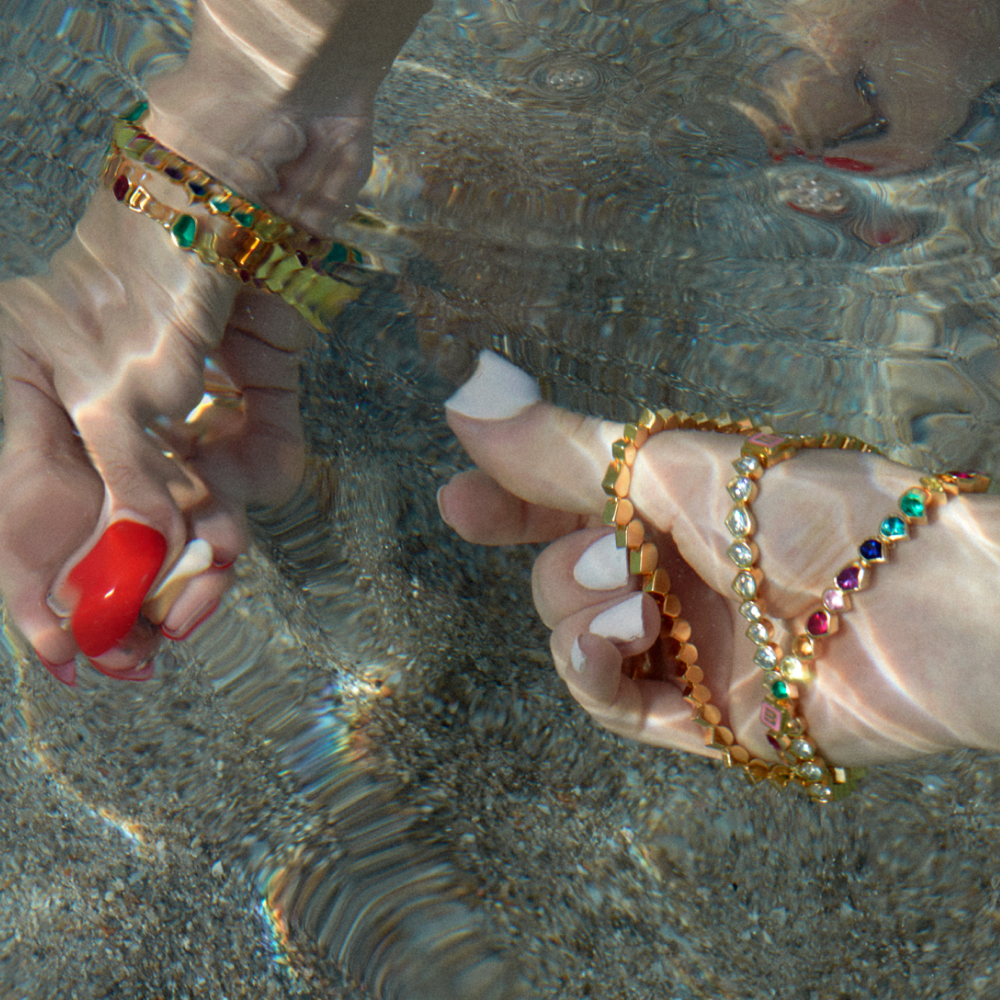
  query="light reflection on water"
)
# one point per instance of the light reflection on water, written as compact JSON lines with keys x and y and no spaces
{"x":370,"y":731}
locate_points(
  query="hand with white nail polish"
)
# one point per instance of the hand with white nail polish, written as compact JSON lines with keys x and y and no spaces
{"x":906,"y":674}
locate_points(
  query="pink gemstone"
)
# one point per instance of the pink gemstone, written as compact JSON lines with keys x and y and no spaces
{"x":767,"y":440}
{"x":818,"y":623}
{"x":773,"y":740}
{"x":771,"y":717}
{"x":833,"y":600}
{"x":849,"y":578}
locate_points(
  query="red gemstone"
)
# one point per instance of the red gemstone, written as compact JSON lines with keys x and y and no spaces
{"x":120,"y":188}
{"x":818,"y":623}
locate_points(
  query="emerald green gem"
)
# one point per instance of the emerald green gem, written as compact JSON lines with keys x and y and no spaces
{"x":780,"y":690}
{"x":244,"y":218}
{"x":912,"y":504}
{"x":893,"y":527}
{"x":221,"y":205}
{"x":184,"y":230}
{"x":135,"y":112}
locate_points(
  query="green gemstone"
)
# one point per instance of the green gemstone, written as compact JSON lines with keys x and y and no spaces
{"x":912,"y":504}
{"x":220,"y":205}
{"x":780,"y":690}
{"x":244,"y":218}
{"x":135,"y":112}
{"x":184,"y":230}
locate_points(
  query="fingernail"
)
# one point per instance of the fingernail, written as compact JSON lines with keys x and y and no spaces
{"x":497,"y":390}
{"x":142,"y":672}
{"x":444,"y":516}
{"x":112,"y":581}
{"x":195,"y":559}
{"x":602,"y":566}
{"x":65,"y":672}
{"x":577,"y":657}
{"x":622,"y":622}
{"x":198,"y":617}
{"x":846,"y":163}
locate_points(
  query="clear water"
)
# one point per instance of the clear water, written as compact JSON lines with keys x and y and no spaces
{"x":364,"y":778}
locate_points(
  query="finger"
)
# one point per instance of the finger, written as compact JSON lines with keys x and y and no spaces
{"x":589,"y":651}
{"x":577,"y":572}
{"x":543,"y":454}
{"x":51,"y":499}
{"x":483,"y":512}
{"x":199,"y":601}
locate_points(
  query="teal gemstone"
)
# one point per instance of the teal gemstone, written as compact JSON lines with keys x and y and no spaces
{"x":244,"y":218}
{"x":780,"y":690}
{"x":912,"y":504}
{"x":184,"y":230}
{"x":893,"y":527}
{"x":135,"y":112}
{"x":220,"y":205}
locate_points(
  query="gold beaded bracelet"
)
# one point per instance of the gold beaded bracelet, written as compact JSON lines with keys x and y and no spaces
{"x":762,"y":449}
{"x":229,"y":232}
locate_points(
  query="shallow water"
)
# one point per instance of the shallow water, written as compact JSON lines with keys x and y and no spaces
{"x":363,"y":778}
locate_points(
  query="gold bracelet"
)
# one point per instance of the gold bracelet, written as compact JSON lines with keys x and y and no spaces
{"x":762,"y":449}
{"x":229,"y":232}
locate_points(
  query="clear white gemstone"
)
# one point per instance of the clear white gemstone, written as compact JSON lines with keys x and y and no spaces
{"x":745,"y":586}
{"x":740,"y":488}
{"x":741,"y":554}
{"x":758,"y":633}
{"x":766,"y":657}
{"x":747,"y":465}
{"x":738,"y":522}
{"x":751,"y":611}
{"x":811,"y":772}
{"x":802,"y":749}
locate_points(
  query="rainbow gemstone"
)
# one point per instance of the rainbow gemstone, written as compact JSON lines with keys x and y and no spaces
{"x":850,"y":577}
{"x":818,"y":623}
{"x":871,"y":550}
{"x":893,"y":528}
{"x":912,"y":504}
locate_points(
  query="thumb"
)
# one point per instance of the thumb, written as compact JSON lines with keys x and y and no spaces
{"x":539,"y":452}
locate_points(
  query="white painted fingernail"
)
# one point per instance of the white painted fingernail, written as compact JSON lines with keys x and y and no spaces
{"x":497,"y":390}
{"x":623,"y":622}
{"x":576,"y":656}
{"x":602,"y":566}
{"x":195,"y":559}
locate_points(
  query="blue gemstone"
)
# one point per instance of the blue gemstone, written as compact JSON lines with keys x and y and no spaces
{"x":871,"y":549}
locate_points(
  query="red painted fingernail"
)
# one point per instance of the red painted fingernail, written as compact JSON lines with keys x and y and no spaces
{"x":140,"y":673}
{"x":846,"y":163}
{"x":197,"y":619}
{"x":112,"y":581}
{"x":65,"y":672}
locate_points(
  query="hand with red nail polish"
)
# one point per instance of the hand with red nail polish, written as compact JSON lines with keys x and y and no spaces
{"x":103,"y":482}
{"x":111,"y":582}
{"x":876,"y":86}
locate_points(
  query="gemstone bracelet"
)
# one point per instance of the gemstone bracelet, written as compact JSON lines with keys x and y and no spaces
{"x":229,"y":232}
{"x":675,"y":657}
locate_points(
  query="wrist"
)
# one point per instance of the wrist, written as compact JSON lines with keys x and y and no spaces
{"x":254,"y":80}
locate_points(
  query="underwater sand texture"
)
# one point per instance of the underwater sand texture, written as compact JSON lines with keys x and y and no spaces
{"x":363,"y":777}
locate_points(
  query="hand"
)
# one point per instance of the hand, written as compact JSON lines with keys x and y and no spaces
{"x":108,"y":345}
{"x":878,"y":85}
{"x":907,"y":673}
